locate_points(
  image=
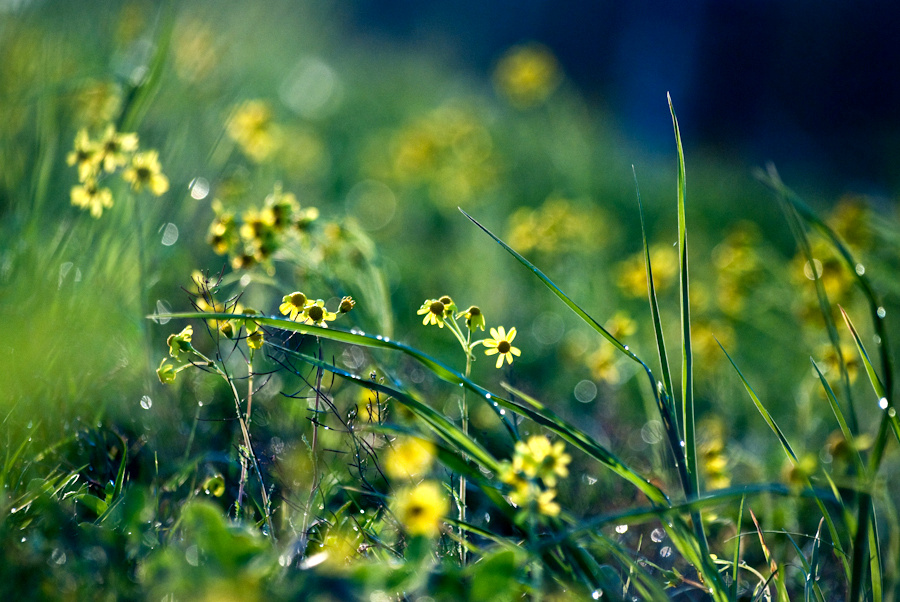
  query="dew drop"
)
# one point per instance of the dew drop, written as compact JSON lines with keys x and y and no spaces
{"x":24,"y":539}
{"x":658,"y":535}
{"x":681,"y":443}
{"x":665,"y":552}
{"x":146,"y":402}
{"x":597,"y":594}
{"x":199,"y":188}
{"x":883,"y":403}
{"x":880,"y":311}
{"x":626,"y":347}
{"x":860,"y":269}
{"x":621,"y":529}
{"x":502,"y":412}
{"x":192,"y":555}
{"x":892,"y":412}
{"x":487,"y":395}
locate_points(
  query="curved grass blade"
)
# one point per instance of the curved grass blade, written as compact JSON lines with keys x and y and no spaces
{"x":838,"y":413}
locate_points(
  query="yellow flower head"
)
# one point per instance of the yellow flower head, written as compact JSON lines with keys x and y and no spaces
{"x":409,"y":457}
{"x":538,"y":458}
{"x":347,"y":305}
{"x":434,"y":311}
{"x":501,"y":344}
{"x":180,"y":344}
{"x":315,"y":313}
{"x":474,"y":318}
{"x":255,"y":339}
{"x":166,"y":371}
{"x":527,"y":75}
{"x":293,"y":305}
{"x":421,"y":508}
{"x":90,"y":196}
{"x":531,"y":497}
{"x":252,"y":128}
{"x":84,"y":155}
{"x":144,"y":170}
{"x":114,"y":147}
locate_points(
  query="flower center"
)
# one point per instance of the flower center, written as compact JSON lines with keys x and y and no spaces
{"x":298,"y":299}
{"x":316,"y":313}
{"x":143,"y":174}
{"x":504,"y":346}
{"x":437,"y":308}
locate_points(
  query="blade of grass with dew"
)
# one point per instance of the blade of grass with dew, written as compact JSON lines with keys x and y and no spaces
{"x":889,"y":414}
{"x":668,"y":414}
{"x":540,"y":414}
{"x":772,"y":180}
{"x":812,"y":579}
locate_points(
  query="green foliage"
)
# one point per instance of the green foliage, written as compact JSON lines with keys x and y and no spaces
{"x":243,"y":201}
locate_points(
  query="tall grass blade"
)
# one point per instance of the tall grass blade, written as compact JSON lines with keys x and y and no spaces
{"x":812,"y":573}
{"x":838,"y":413}
{"x":860,"y":548}
{"x":736,"y":557}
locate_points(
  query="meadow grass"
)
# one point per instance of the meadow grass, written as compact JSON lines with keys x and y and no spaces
{"x":223,"y":382}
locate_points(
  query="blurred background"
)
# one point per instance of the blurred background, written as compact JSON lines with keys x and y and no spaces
{"x":385,"y":117}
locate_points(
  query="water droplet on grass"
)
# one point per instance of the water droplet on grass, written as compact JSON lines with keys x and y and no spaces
{"x":881,"y":312}
{"x":860,"y":269}
{"x":883,"y":403}
{"x":146,"y":402}
{"x":665,"y":552}
{"x":658,"y":535}
{"x":597,"y":594}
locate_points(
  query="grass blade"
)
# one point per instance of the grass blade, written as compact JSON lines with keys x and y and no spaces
{"x":763,"y":411}
{"x":735,"y":561}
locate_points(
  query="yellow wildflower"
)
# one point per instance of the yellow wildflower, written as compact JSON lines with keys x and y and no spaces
{"x":538,"y":458}
{"x":293,"y":305}
{"x":347,"y":305}
{"x":180,"y":344}
{"x":603,"y":364}
{"x":527,"y":75}
{"x":145,"y":171}
{"x":84,"y":156}
{"x":114,"y":147}
{"x":501,"y":344}
{"x":252,"y":128}
{"x":474,"y":318}
{"x":90,"y":196}
{"x":409,"y":457}
{"x":421,"y":508}
{"x":315,"y":313}
{"x":434,"y":312}
{"x":255,"y":339}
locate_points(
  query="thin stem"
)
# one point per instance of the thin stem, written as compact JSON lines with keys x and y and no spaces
{"x":464,"y":417}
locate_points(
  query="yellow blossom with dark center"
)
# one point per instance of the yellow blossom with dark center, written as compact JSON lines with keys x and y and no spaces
{"x":501,"y":343}
{"x":145,"y":171}
{"x":315,"y":313}
{"x":293,"y":305}
{"x":434,"y":312}
{"x":538,"y":458}
{"x":92,"y":197}
{"x":347,"y":305}
{"x":421,"y":508}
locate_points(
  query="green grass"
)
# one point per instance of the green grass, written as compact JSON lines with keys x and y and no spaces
{"x":268,"y":463}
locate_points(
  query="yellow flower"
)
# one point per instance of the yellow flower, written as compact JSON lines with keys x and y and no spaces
{"x":252,"y":128}
{"x":474,"y":318}
{"x":315,"y":313}
{"x":145,"y":171}
{"x":421,"y":508}
{"x":502,"y":343}
{"x":531,"y":497}
{"x":90,"y":196}
{"x":113,"y":148}
{"x":409,"y":457}
{"x":223,"y":233}
{"x":538,"y":458}
{"x":166,"y":372}
{"x":180,"y":344}
{"x":84,"y":156}
{"x":527,"y":75}
{"x":255,"y":339}
{"x":604,"y":365}
{"x":434,"y":312}
{"x":347,"y":305}
{"x":293,"y":305}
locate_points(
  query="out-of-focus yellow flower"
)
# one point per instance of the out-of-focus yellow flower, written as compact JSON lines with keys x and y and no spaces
{"x":538,"y":458}
{"x":527,"y":75}
{"x":253,"y":129}
{"x":501,"y":343}
{"x":621,"y":325}
{"x":711,"y":446}
{"x":293,"y":305}
{"x":98,"y":103}
{"x":180,"y":344}
{"x":421,"y":508}
{"x":850,"y":219}
{"x":194,"y":49}
{"x":85,"y":156}
{"x":145,"y":170}
{"x":833,"y":361}
{"x":114,"y":148}
{"x":633,"y":271}
{"x":255,"y":339}
{"x":603,"y":364}
{"x":558,"y":225}
{"x":409,"y":457}
{"x":92,"y":197}
{"x":796,"y":475}
{"x":705,"y":339}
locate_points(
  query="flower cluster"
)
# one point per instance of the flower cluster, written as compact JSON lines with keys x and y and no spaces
{"x":533,"y":473}
{"x":298,"y":307}
{"x":98,"y":158}
{"x":443,"y":312}
{"x":558,"y":225}
{"x":261,"y":232}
